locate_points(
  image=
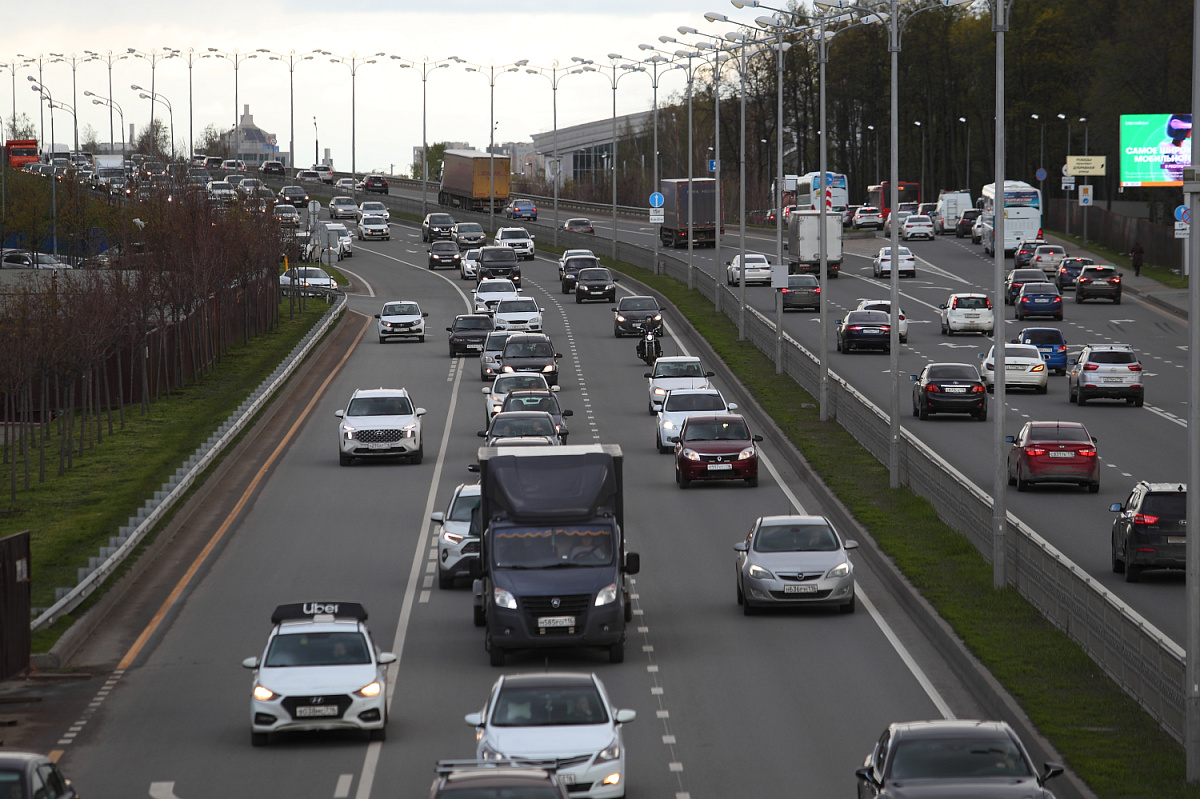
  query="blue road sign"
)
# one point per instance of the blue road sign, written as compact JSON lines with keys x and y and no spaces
{"x":712,"y":165}
{"x":1180,"y":210}
{"x":657,"y":200}
{"x":1041,"y":174}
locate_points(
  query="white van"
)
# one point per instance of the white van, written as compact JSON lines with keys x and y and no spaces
{"x":950,"y":205}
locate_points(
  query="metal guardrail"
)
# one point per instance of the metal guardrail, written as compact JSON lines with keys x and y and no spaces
{"x":1147,"y":664}
{"x":99,"y":568}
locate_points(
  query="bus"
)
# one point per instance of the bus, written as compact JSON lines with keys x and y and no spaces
{"x":808,"y":192}
{"x":19,"y":152}
{"x":1022,"y":215}
{"x":880,"y":196}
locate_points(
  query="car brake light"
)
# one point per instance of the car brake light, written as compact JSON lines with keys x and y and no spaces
{"x":1061,"y":348}
{"x":1087,"y":453}
{"x":1144,"y":518}
{"x":1085,"y":280}
{"x":955,"y":303}
{"x":1114,"y":280}
{"x":1090,"y":367}
{"x":1135,"y":367}
{"x":817,"y":290}
{"x":1034,"y":451}
{"x":785,"y":291}
{"x":978,"y":389}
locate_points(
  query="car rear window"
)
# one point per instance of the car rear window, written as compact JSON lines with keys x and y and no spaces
{"x":867,"y":317}
{"x":803,"y":282}
{"x":694,"y":402}
{"x":1058,"y":434}
{"x":1112,"y":356}
{"x":957,"y":371}
{"x":971,"y":303}
{"x":1171,"y":506}
{"x":1047,"y":336}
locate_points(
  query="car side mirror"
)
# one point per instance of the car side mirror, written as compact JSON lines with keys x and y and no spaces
{"x":980,"y":356}
{"x":741,"y":546}
{"x":756,"y":439}
{"x":648,"y":374}
{"x":913,"y":378}
{"x":1115,"y":507}
{"x":472,"y":467}
{"x":482,"y":434}
{"x":1052,"y":771}
{"x":616,"y":279}
{"x":865,"y":775}
{"x":421,"y":411}
{"x":485,"y":390}
{"x":438,"y":517}
{"x":568,"y":413}
{"x":710,"y":374}
{"x":733,"y":406}
{"x":624,"y":716}
{"x":1010,"y":439}
{"x":449,"y":330}
{"x":376,"y":316}
{"x":474,"y":719}
{"x":250,"y":663}
{"x":557,"y":355}
{"x":614,"y":310}
{"x":533,"y":238}
{"x":386,"y":658}
{"x":851,"y":544}
{"x":1014,"y":341}
{"x":424,"y":315}
{"x":633,"y":563}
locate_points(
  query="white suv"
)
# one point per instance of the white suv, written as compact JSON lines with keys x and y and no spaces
{"x":380,"y":423}
{"x":1109,"y":371}
{"x":457,"y":545}
{"x":967,"y":313}
{"x":518,"y":238}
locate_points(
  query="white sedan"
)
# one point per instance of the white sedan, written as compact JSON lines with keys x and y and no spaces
{"x":1023,"y":368}
{"x":374,"y":227}
{"x":917,"y":226}
{"x":489,"y":292}
{"x":882,"y":265}
{"x":374,"y":208}
{"x":886,"y":307}
{"x":758,"y":269}
{"x":557,"y":715}
{"x":672,"y":372}
{"x":403,"y":319}
{"x":682,"y":403}
{"x":521,"y":314}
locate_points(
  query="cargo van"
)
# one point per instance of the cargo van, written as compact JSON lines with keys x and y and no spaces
{"x":950,"y":205}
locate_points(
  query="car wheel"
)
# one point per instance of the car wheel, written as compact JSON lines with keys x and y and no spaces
{"x":578,"y":300}
{"x":1117,"y":300}
{"x":1058,"y":317}
{"x":747,"y":608}
{"x":1078,"y":297}
{"x":616,"y":332}
{"x":916,"y":411}
{"x":1132,"y":573}
{"x":452,"y":352}
{"x":658,"y":443}
{"x":752,"y":482}
{"x":1012,"y":481}
{"x":741,"y":598}
{"x":1118,"y":565}
{"x":1137,"y":403}
{"x":921,"y":412}
{"x":344,"y":460}
{"x":839,"y":345}
{"x":616,"y":652}
{"x":1080,"y":399}
{"x":1043,"y":389}
{"x":1094,"y":488}
{"x":420,"y":339}
{"x":495,"y":653}
{"x":981,"y":416}
{"x":383,"y":340}
{"x":849,"y":606}
{"x":445,"y":581}
{"x":259,"y":738}
{"x":1022,"y":484}
{"x":379,"y":734}
{"x":420,"y":454}
{"x":478,"y":616}
{"x":684,"y":483}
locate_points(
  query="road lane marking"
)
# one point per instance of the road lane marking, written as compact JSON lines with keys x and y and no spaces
{"x":343,"y":786}
{"x":360,"y":278}
{"x":162,"y":790}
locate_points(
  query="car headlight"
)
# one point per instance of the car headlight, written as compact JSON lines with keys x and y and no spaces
{"x":660,"y":392}
{"x":606,"y":595}
{"x":452,"y":538}
{"x":748,"y":452}
{"x":691,"y":454}
{"x":489,"y":753}
{"x":609,"y":287}
{"x":348,"y":431}
{"x":668,"y":424}
{"x":496,"y":408}
{"x":759,"y":573}
{"x":548,"y":367}
{"x":658,"y":318}
{"x":508,"y":369}
{"x":610,"y":752}
{"x":410,"y":430}
{"x":620,"y":318}
{"x":504,"y":599}
{"x":840,"y":570}
{"x":263,"y":694}
{"x":374,"y":689}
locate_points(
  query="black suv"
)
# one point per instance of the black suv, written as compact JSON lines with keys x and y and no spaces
{"x":1098,"y":281}
{"x":468,"y":332}
{"x":293,"y":195}
{"x":444,"y":254}
{"x":1150,"y":531}
{"x":962,"y":228}
{"x":529,"y":778}
{"x":437,"y":226}
{"x":500,"y":262}
{"x":530,"y":352}
{"x":375,"y":183}
{"x":271,"y":168}
{"x":570,"y":270}
{"x":596,"y":283}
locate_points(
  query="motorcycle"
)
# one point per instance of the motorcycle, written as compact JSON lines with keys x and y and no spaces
{"x":648,"y":346}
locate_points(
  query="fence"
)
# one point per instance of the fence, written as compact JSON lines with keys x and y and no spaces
{"x":1117,"y":231}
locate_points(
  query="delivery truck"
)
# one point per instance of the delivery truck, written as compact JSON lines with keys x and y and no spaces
{"x":703,"y":202}
{"x":804,"y":242}
{"x":467,"y":180}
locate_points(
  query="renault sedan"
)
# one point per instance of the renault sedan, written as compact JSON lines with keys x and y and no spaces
{"x":794,"y":561}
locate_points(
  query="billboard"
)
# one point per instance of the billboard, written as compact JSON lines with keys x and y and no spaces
{"x":1155,"y":148}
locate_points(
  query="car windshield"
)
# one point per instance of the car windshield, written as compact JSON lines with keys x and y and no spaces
{"x":795,"y":538}
{"x":528,"y":349}
{"x":593,"y":274}
{"x":693,"y":402}
{"x":444,"y":246}
{"x":536,"y":402}
{"x":471,"y":255}
{"x":639,"y":304}
{"x":516,"y":233}
{"x":380,"y":406}
{"x":723,"y":430}
{"x":1028,"y":275}
{"x":473,"y":323}
{"x":1112,"y":356}
{"x":575,"y":264}
{"x":548,"y":706}
{"x":495,"y":342}
{"x":957,"y":758}
{"x":1045,"y":336}
{"x":469,"y":227}
{"x":491,"y":286}
{"x":318,"y":649}
{"x":339,"y":228}
{"x":507,"y":383}
{"x":918,"y":220}
{"x":678,"y":369}
{"x":952,"y":371}
{"x":368,"y":221}
{"x":461,"y":510}
{"x":1056,"y":433}
{"x":441,"y":219}
{"x":401,"y":309}
{"x":1051,"y":250}
{"x":517,"y":306}
{"x":373,"y":206}
{"x":562,"y":544}
{"x":312,"y":273}
{"x":222,"y":185}
{"x":337,"y":200}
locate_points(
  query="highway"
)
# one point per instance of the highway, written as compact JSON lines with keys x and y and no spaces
{"x":726,"y":705}
{"x":1135,"y":444}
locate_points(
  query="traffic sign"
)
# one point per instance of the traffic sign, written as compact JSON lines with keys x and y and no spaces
{"x":1187,"y":216}
{"x":1085,"y":195}
{"x":1087,"y":165}
{"x":1068,"y":180}
{"x":712,"y":165}
{"x":1041,"y":174}
{"x":1182,"y":230}
{"x":657,"y":216}
{"x":272,"y":141}
{"x":657,"y":200}
{"x":1180,"y":210}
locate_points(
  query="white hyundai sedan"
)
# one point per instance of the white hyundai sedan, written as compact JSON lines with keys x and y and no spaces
{"x":1024,"y":367}
{"x":557,"y":716}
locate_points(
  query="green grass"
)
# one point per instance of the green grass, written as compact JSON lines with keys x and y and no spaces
{"x":71,"y":516}
{"x":1102,"y":734}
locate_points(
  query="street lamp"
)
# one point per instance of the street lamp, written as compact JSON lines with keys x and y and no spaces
{"x":1041,"y":156}
{"x":968,"y":166}
{"x":291,"y":62}
{"x":98,"y":100}
{"x":426,"y":69}
{"x":29,"y":60}
{"x":316,"y":142}
{"x":354,"y":63}
{"x":872,"y":129}
{"x":922,"y":190}
{"x":490,"y":72}
{"x":107,"y":58}
{"x":74,"y":62}
{"x":554,"y":77}
{"x":152,"y":96}
{"x":153,"y":57}
{"x":236,"y":58}
{"x":11,"y":66}
{"x":44,"y":93}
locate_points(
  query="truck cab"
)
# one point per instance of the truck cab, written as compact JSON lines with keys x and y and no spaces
{"x":553,"y":568}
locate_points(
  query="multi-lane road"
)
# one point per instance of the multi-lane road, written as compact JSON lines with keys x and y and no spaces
{"x":727,"y":706}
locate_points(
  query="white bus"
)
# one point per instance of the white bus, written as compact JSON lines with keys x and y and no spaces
{"x":808,"y":192}
{"x":1022,"y":215}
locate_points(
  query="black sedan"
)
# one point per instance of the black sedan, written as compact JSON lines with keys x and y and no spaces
{"x":802,"y":292}
{"x":596,"y":284}
{"x":294,"y":195}
{"x":375,"y":183}
{"x":864,"y":330}
{"x":1099,"y":281}
{"x":631,"y":313}
{"x":444,"y":255}
{"x":949,"y":388}
{"x":28,"y":774}
{"x":468,"y":333}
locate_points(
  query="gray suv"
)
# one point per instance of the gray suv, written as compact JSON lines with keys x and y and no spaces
{"x":1108,"y":371}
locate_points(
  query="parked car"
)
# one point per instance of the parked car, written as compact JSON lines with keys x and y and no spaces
{"x":949,"y":388}
{"x":1053,"y":452}
{"x":1098,"y":281}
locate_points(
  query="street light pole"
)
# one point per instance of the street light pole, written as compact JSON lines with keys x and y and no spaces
{"x":44,"y":93}
{"x":1041,"y":155}
{"x":41,"y":111}
{"x":74,"y":62}
{"x":108,"y":101}
{"x":427,"y":67}
{"x":968,"y":159}
{"x":316,"y":142}
{"x":354,"y":63}
{"x":152,"y":96}
{"x":554,"y":77}
{"x":154,"y":57}
{"x":236,"y":58}
{"x":491,"y":76}
{"x":922,"y":184}
{"x":108,"y":58}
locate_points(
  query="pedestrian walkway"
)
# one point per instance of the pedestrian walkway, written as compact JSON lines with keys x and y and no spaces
{"x":1172,"y":300}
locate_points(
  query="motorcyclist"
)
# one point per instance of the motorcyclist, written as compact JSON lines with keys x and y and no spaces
{"x":648,"y":339}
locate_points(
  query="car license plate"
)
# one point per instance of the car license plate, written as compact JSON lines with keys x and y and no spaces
{"x":474,"y":346}
{"x":556,"y":621}
{"x":955,"y":390}
{"x":720,"y":467}
{"x":1061,"y":454}
{"x":1176,"y":539}
{"x":800,"y":589}
{"x":971,"y":316}
{"x":316,"y":711}
{"x":1013,"y":367}
{"x":1113,"y":380}
{"x":379,"y":445}
{"x":872,"y":330}
{"x":566,"y":779}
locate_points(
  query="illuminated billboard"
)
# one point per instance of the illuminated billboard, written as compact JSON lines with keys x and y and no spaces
{"x":1155,"y":148}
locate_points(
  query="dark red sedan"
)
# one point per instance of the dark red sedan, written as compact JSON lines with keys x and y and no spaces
{"x":716,"y":447}
{"x":1053,"y":452}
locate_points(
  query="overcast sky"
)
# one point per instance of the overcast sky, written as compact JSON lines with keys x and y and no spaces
{"x":389,"y":97}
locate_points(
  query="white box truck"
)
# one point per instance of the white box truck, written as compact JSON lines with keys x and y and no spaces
{"x":804,"y":243}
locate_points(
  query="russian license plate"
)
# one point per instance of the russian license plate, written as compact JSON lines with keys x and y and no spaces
{"x":1113,"y":380}
{"x":800,"y":589}
{"x":871,"y":330}
{"x":1040,"y":299}
{"x":1176,"y":539}
{"x":566,"y":779}
{"x":379,"y":445}
{"x":474,"y":346}
{"x":316,"y":711}
{"x":556,"y":621}
{"x":955,"y":390}
{"x":1067,"y":454}
{"x":1013,"y":367}
{"x":720,"y":467}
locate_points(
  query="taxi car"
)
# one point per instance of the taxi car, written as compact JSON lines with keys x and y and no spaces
{"x":793,"y":561}
{"x":320,"y":670}
{"x":458,"y":538}
{"x":380,"y":423}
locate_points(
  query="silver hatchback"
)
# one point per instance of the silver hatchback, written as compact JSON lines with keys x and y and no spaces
{"x":789,"y":561}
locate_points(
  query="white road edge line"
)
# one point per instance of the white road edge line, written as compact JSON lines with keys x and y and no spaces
{"x":356,"y":276}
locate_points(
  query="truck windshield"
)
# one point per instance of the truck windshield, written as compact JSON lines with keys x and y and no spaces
{"x":546,"y":547}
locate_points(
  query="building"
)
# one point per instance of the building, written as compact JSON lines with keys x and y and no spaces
{"x":584,"y":149}
{"x":254,"y":145}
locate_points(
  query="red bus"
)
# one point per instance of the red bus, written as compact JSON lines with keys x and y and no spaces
{"x":880,"y":196}
{"x":19,"y":152}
